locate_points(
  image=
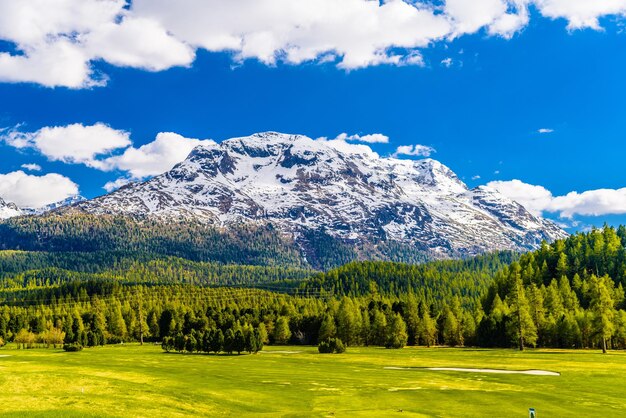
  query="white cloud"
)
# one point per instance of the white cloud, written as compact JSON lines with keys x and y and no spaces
{"x":545,"y":131}
{"x":27,"y":190}
{"x":116,"y":184}
{"x":139,"y":43}
{"x":76,"y":143}
{"x":500,"y":17}
{"x":538,"y":199}
{"x":31,"y":167}
{"x":341,"y":145}
{"x":414,"y":150}
{"x":476,"y":177}
{"x":447,"y":62}
{"x":369,"y":138}
{"x":581,"y":13}
{"x":94,"y":145}
{"x":590,"y":203}
{"x":156,"y":157}
{"x":534,"y":198}
{"x":57,"y":41}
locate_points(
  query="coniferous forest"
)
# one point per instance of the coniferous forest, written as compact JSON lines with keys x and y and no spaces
{"x":568,"y":294}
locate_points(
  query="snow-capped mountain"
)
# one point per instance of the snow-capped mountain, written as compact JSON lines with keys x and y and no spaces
{"x":53,"y":206}
{"x":299,"y":184}
{"x":8,"y":210}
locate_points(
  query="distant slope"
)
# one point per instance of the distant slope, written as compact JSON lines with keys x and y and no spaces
{"x":434,"y":281}
{"x":246,"y":244}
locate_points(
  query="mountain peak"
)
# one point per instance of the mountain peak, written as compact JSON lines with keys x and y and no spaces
{"x":300,"y":184}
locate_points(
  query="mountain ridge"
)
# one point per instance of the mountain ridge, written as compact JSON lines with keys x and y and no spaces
{"x":347,"y":191}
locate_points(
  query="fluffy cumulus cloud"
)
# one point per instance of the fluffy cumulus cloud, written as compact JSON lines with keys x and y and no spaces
{"x":369,"y":138}
{"x":538,"y":199}
{"x":76,"y":143}
{"x":545,"y":130}
{"x":590,"y":203}
{"x":31,"y":191}
{"x":56,"y":42}
{"x":414,"y":150}
{"x":581,"y":13}
{"x":156,"y":157}
{"x":104,"y":148}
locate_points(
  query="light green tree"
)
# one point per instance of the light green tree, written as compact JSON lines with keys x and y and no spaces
{"x":396,"y":332}
{"x":603,"y":307}
{"x":523,"y":328}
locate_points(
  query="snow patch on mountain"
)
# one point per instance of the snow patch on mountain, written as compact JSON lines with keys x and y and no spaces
{"x":8,"y":210}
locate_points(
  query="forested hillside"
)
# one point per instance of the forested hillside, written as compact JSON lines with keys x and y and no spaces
{"x":103,"y":239}
{"x":36,"y":300}
{"x":567,"y":294}
{"x":469,"y":277}
{"x":147,"y":238}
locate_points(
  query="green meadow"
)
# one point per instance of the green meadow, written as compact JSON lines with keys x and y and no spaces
{"x":138,"y":381}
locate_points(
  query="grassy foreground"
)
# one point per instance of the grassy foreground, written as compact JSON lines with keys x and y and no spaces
{"x":295,"y":381}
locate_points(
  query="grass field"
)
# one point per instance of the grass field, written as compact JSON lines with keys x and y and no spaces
{"x":295,"y":381}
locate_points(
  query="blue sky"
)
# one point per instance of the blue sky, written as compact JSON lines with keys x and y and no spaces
{"x":479,"y":100}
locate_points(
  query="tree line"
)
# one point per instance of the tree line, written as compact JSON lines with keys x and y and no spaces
{"x":214,"y":340}
{"x":567,"y":294}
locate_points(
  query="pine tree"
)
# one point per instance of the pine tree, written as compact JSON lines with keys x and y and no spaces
{"x":239,"y":342}
{"x":347,"y":329}
{"x":397,"y":336}
{"x":428,"y":326}
{"x":412,"y":319}
{"x":603,"y":307}
{"x":217,"y":341}
{"x":379,"y":328}
{"x":523,"y":327}
{"x":281,"y":333}
{"x":327,"y":328}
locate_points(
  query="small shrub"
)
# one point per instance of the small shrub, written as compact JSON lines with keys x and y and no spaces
{"x":168,"y":344}
{"x":115,"y":340}
{"x":72,"y":347}
{"x":331,"y":345}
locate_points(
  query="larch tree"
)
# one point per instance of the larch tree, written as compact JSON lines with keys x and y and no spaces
{"x":282,"y":333}
{"x":397,"y":336}
{"x":523,"y":328}
{"x":603,"y":307}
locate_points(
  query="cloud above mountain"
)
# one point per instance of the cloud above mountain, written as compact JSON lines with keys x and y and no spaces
{"x":75,"y":143}
{"x":104,"y":148}
{"x":33,"y":191}
{"x":416,"y":150}
{"x":538,"y":199}
{"x":156,"y":157}
{"x":57,"y":42}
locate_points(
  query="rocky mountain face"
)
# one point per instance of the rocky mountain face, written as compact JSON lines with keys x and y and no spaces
{"x":348,"y":192}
